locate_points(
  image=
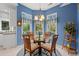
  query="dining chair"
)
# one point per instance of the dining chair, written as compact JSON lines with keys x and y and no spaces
{"x":28,"y":46}
{"x":50,"y":47}
{"x":31,"y":34}
{"x":46,"y":36}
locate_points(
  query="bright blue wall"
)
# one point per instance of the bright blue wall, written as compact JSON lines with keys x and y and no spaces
{"x":21,"y":8}
{"x":77,"y":23}
{"x":65,"y":14}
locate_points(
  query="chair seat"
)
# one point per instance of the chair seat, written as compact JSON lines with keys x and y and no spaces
{"x":32,"y":41}
{"x":34,"y":46}
{"x":46,"y":46}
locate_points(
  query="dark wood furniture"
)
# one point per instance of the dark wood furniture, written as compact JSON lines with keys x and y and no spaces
{"x":28,"y":46}
{"x":50,"y":47}
{"x":31,"y":34}
{"x":46,"y":35}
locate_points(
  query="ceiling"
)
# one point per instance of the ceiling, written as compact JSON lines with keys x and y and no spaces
{"x":37,"y":6}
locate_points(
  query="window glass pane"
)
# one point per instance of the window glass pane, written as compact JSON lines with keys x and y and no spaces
{"x":5,"y":25}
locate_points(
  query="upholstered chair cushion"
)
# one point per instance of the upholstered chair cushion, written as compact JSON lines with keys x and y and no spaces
{"x":46,"y":46}
{"x":32,"y":41}
{"x":34,"y":46}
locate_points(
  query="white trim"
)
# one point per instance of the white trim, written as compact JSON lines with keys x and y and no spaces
{"x":54,"y":16}
{"x":26,"y":14}
{"x":64,"y":4}
{"x":29,"y":20}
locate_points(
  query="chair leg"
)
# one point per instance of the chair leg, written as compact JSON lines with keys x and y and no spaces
{"x":30,"y":54}
{"x":55,"y":52}
{"x":75,"y":52}
{"x":24,"y":52}
{"x":51,"y":54}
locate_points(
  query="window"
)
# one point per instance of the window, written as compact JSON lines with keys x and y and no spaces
{"x":5,"y":25}
{"x":26,"y":23}
{"x":51,"y":23}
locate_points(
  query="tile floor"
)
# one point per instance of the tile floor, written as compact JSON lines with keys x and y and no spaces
{"x":15,"y":50}
{"x":10,"y":51}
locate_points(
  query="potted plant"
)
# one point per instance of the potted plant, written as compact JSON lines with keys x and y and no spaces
{"x":70,"y":28}
{"x":69,"y":32}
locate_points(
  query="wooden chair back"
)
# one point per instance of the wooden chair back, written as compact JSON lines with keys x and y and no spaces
{"x":27,"y":43}
{"x":46,"y":35}
{"x":31,"y":34}
{"x":55,"y":37}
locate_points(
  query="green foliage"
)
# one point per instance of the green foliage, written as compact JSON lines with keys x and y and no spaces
{"x":26,"y":27}
{"x":38,"y":27}
{"x":52,"y":28}
{"x":70,"y":28}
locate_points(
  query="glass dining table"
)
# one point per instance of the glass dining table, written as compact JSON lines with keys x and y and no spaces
{"x":40,"y":40}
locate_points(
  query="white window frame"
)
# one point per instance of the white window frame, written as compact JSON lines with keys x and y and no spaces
{"x":28,"y":20}
{"x":54,"y":15}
